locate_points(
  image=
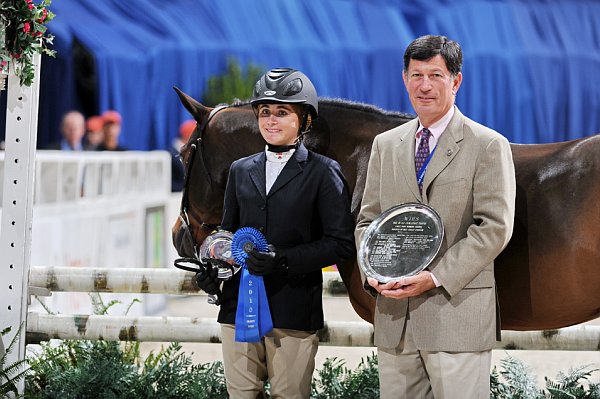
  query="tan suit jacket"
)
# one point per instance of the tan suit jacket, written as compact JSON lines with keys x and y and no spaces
{"x":470,"y":182}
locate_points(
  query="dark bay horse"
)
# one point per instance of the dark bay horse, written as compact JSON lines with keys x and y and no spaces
{"x":549,"y":274}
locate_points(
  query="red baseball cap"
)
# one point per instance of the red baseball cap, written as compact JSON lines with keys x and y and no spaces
{"x":186,"y":129}
{"x":94,"y":123}
{"x":111,"y":116}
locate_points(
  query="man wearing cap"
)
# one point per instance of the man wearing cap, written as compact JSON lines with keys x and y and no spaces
{"x":112,"y":130}
{"x":177,"y":171}
{"x":95,"y":133}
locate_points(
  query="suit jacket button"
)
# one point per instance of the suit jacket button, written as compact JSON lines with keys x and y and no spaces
{"x":261,"y":229}
{"x":262,"y":208}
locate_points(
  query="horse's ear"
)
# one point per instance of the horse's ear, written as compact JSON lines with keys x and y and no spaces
{"x":198,"y":111}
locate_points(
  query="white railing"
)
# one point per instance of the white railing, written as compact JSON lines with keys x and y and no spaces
{"x":99,"y":208}
{"x":187,"y":329}
{"x":139,"y":281}
{"x":66,"y":177}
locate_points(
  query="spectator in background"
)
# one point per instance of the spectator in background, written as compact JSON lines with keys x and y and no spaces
{"x":95,"y":133}
{"x":177,"y":171}
{"x":112,"y":130}
{"x":72,"y":128}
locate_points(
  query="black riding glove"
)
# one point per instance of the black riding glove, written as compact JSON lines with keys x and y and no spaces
{"x":208,"y":282}
{"x":263,"y":263}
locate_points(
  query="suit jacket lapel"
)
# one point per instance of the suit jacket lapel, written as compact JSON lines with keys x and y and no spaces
{"x":292,"y":168}
{"x":446,"y":149}
{"x":257,"y":174}
{"x":406,"y":157}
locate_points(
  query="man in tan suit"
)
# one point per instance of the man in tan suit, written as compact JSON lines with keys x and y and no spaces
{"x":434,"y":331}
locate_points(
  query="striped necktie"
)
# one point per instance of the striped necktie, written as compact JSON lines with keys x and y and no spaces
{"x":422,"y":153}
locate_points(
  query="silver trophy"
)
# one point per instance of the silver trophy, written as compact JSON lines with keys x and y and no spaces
{"x":216,"y":249}
{"x":401,"y":242}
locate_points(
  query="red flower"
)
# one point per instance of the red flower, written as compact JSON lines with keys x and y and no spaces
{"x":26,"y":27}
{"x":16,"y":56}
{"x":3,"y":63}
{"x":30,"y":6}
{"x":44,"y":15}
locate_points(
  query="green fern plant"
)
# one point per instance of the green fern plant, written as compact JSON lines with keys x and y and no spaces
{"x":516,"y":381}
{"x":232,"y":85}
{"x":100,"y":369}
{"x":520,"y":382}
{"x":11,"y":374}
{"x":570,"y":385}
{"x":335,"y":380}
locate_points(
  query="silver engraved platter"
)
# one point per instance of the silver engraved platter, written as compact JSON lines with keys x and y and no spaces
{"x":401,"y":242}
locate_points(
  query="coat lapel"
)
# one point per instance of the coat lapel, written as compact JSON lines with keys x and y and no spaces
{"x":292,"y":168}
{"x":446,"y":149}
{"x":406,"y":157}
{"x":257,"y":174}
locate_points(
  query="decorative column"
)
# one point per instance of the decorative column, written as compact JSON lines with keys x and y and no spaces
{"x":17,"y":206}
{"x":3,"y":67}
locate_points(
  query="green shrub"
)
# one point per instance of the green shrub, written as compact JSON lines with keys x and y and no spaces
{"x":335,"y":380}
{"x":232,"y":85}
{"x":516,"y":381}
{"x":10,"y":374}
{"x":99,"y":369}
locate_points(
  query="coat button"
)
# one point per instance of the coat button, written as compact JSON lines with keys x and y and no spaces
{"x":261,"y":229}
{"x":262,"y":208}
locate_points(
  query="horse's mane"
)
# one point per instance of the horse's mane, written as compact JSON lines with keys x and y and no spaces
{"x":363,"y":107}
{"x":342,"y":103}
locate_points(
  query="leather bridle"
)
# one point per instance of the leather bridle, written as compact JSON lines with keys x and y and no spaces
{"x":185,"y":208}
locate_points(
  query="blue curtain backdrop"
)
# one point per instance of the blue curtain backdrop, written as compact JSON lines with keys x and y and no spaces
{"x":529,"y":66}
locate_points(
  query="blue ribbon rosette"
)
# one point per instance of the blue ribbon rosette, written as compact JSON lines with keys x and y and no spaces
{"x":253,"y":317}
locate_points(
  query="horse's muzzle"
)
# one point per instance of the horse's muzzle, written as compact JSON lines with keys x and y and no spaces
{"x":183,"y":240}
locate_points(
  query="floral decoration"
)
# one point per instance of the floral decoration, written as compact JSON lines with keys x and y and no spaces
{"x":23,"y":34}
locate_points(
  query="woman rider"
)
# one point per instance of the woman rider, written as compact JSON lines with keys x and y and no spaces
{"x":299,"y":200}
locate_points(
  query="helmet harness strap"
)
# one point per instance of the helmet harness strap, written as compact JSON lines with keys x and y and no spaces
{"x":305,"y":126}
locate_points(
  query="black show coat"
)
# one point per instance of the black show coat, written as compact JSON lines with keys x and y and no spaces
{"x":306,"y":214}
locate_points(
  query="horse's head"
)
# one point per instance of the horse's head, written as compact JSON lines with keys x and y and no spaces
{"x":214,"y":145}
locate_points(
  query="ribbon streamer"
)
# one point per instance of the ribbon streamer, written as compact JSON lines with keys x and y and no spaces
{"x":253,"y":316}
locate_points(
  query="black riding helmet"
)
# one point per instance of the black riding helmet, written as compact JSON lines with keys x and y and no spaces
{"x":286,"y":85}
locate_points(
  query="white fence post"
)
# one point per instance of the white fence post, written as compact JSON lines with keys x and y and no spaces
{"x":17,"y":206}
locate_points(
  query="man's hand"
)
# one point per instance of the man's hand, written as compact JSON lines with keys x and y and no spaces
{"x":263,"y":263}
{"x":208,"y":282}
{"x":406,"y":287}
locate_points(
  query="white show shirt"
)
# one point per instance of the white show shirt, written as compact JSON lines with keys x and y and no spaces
{"x":275,"y":164}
